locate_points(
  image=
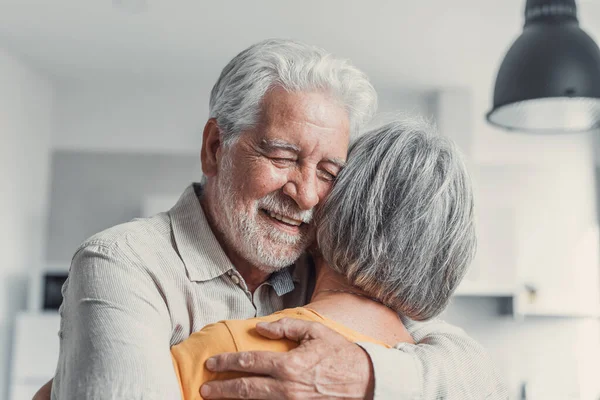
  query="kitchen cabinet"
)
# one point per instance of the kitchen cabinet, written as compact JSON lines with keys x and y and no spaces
{"x":35,"y":352}
{"x":536,"y":212}
{"x":538,"y":240}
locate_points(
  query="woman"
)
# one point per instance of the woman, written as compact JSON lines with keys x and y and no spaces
{"x":396,"y":236}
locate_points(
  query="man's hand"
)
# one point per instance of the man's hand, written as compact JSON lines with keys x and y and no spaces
{"x":324,"y":365}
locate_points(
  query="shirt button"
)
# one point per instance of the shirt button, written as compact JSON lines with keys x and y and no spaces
{"x":235,"y":279}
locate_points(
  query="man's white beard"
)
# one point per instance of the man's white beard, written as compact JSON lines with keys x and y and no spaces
{"x":263,"y":245}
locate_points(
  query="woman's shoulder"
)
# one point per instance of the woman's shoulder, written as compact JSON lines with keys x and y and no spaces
{"x":243,"y":336}
{"x":247,"y":338}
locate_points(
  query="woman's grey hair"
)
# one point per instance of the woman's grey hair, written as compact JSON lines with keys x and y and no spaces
{"x":235,"y":100}
{"x":399,"y":222}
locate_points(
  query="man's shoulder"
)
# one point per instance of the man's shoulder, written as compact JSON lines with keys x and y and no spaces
{"x":139,"y":233}
{"x":141,"y":246}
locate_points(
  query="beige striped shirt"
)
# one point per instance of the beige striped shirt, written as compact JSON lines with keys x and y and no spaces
{"x":138,"y":288}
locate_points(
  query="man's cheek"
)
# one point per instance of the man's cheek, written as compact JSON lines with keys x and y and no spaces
{"x":271,"y":179}
{"x":257,"y":179}
{"x":324,"y":191}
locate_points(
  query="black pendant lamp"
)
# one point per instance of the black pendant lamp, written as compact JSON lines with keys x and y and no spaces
{"x":549,"y":81}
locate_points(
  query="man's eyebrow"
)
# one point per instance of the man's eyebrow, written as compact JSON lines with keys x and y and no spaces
{"x":278,"y":144}
{"x":337,"y":161}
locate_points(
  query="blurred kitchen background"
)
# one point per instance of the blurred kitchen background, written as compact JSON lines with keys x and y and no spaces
{"x":102,"y":105}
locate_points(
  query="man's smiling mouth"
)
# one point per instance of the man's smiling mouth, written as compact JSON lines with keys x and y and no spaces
{"x":283,"y":218}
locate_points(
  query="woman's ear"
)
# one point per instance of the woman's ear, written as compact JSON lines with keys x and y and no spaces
{"x":211,"y":144}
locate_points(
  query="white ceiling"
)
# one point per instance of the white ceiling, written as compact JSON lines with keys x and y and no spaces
{"x":397,"y":42}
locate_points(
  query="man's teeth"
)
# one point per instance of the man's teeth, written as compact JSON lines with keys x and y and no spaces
{"x":285,"y":219}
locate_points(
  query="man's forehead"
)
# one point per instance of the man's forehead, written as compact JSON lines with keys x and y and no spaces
{"x":312,"y":106}
{"x":311,"y":109}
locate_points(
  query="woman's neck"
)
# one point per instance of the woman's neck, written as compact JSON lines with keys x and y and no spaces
{"x":359,"y":312}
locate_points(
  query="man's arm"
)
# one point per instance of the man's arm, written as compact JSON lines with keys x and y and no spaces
{"x":115,"y":330}
{"x":445,"y":364}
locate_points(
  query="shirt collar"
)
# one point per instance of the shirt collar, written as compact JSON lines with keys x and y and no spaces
{"x":283,"y":281}
{"x":199,"y":249}
{"x":201,"y":253}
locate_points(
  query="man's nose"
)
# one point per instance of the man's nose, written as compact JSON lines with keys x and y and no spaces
{"x":302,"y":187}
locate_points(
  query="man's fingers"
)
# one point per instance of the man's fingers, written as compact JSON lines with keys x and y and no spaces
{"x":243,"y":388}
{"x":254,"y":362}
{"x":289,"y":328}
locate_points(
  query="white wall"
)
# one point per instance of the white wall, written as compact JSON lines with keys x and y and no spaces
{"x":155,"y":118}
{"x":557,"y":357}
{"x":147,"y":118}
{"x":26,"y":101}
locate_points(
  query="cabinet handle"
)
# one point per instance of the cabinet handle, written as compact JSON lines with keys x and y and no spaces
{"x":532,"y":292}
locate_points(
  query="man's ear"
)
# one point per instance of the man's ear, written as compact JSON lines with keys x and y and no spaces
{"x":211,"y":145}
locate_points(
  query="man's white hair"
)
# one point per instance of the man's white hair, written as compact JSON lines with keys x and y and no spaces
{"x":235,"y":100}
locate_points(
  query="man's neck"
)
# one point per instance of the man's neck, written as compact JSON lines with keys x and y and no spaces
{"x":252,"y":275}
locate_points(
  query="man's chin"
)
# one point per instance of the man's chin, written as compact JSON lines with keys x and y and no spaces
{"x":273,"y":259}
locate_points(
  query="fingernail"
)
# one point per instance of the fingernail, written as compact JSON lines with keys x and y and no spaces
{"x":205,"y":390}
{"x":211,"y":364}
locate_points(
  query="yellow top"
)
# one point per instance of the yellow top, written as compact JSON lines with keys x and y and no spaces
{"x":190,"y":355}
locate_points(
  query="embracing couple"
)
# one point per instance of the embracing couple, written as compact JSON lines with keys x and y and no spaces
{"x":297,"y":269}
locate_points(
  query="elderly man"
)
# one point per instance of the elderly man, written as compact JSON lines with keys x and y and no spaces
{"x":281,"y":117}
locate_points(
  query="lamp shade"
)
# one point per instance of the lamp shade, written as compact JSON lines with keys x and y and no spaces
{"x":549,"y":81}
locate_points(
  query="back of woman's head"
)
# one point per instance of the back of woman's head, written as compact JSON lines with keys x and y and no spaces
{"x":399,"y":222}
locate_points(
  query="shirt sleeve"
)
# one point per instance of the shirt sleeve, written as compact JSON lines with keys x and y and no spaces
{"x":444,"y":364}
{"x":115,"y":330}
{"x":190,"y":355}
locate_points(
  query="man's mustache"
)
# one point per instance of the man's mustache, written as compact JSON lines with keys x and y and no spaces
{"x":281,"y":204}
